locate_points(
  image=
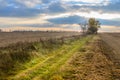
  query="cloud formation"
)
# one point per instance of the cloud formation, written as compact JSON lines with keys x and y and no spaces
{"x":58,"y":12}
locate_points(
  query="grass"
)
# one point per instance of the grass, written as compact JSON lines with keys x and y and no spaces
{"x":87,"y":64}
{"x":72,"y":59}
{"x":51,"y":62}
{"x":21,"y":56}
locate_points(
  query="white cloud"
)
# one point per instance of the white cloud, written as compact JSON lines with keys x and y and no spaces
{"x":35,"y":20}
{"x":85,"y":14}
{"x":86,"y":1}
{"x":99,"y":15}
{"x":29,"y":3}
{"x":41,"y":19}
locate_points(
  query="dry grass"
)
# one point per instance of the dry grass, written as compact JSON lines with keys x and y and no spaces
{"x":89,"y":64}
{"x":13,"y":57}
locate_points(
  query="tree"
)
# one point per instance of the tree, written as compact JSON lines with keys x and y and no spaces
{"x":83,"y":27}
{"x":0,"y":30}
{"x":93,"y":26}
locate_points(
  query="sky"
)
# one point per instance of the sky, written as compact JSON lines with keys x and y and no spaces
{"x":58,"y":14}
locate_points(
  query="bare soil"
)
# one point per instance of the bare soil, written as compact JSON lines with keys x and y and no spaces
{"x":111,"y":42}
{"x":8,"y":38}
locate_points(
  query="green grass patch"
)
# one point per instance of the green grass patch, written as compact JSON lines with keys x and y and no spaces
{"x":53,"y":62}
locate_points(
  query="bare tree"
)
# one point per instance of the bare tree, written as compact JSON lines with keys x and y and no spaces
{"x":83,"y":27}
{"x":0,"y":30}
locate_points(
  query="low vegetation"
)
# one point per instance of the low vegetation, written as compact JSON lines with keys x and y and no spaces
{"x":88,"y":64}
{"x":66,"y":58}
{"x":22,"y":56}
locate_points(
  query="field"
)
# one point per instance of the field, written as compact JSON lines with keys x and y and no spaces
{"x":112,"y":42}
{"x":7,"y":38}
{"x":59,"y":56}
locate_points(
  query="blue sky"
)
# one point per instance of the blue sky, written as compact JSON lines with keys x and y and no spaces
{"x":58,"y":14}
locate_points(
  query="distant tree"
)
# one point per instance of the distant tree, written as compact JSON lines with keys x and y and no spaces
{"x":0,"y":30}
{"x":83,"y":27}
{"x":93,"y":26}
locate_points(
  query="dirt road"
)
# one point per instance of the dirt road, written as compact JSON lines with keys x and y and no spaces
{"x":113,"y":40}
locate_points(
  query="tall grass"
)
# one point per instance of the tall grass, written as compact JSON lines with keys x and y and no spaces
{"x":23,"y":52}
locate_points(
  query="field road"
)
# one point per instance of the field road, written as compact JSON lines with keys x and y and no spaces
{"x":113,"y":40}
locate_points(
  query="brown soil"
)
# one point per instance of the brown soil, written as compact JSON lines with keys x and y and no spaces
{"x":111,"y":43}
{"x":8,"y":38}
